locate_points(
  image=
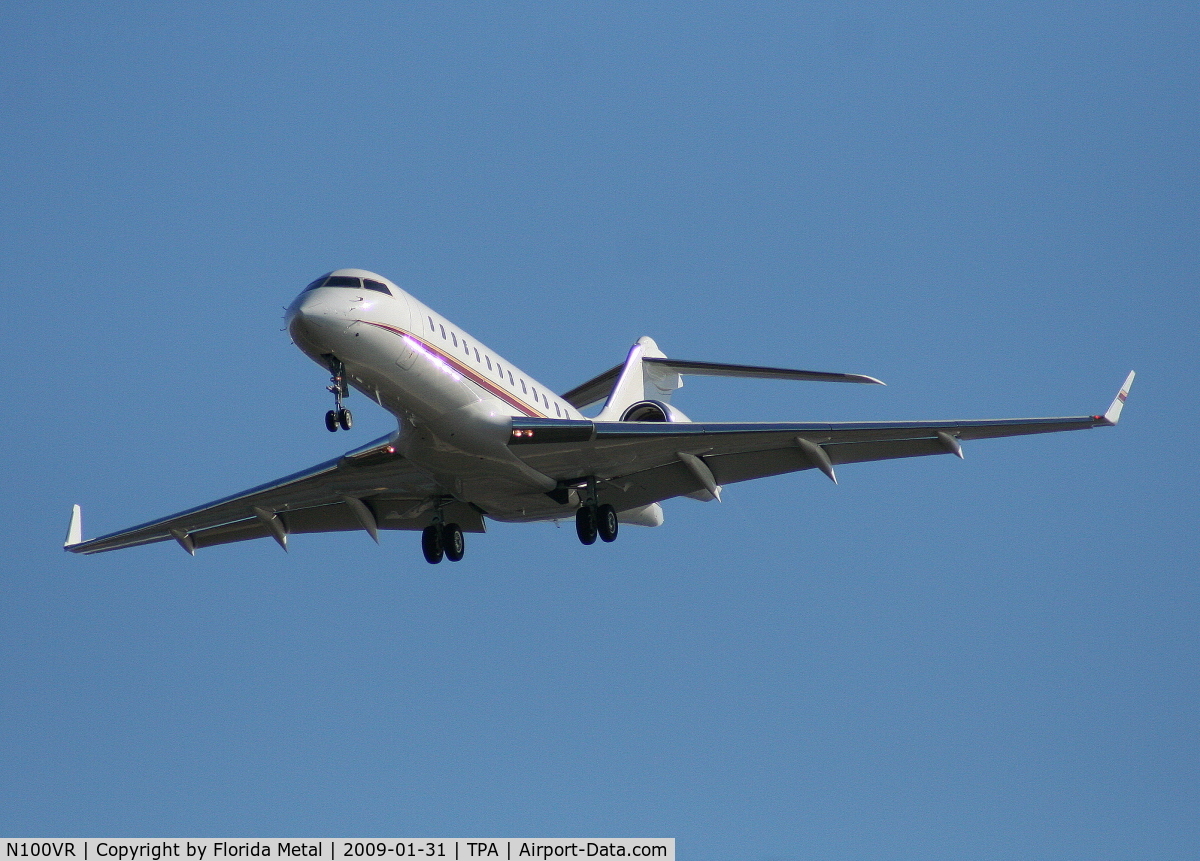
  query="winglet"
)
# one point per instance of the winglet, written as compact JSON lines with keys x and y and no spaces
{"x":75,"y":530}
{"x":1113,"y":413}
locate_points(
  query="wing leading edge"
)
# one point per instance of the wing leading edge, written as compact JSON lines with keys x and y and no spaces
{"x":643,"y":462}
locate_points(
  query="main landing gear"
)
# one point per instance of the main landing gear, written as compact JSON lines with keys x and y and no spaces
{"x":592,"y":519}
{"x":442,"y":539}
{"x":339,"y":416}
{"x":600,"y":520}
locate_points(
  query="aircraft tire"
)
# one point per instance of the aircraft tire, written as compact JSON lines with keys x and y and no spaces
{"x":431,"y":544}
{"x":606,"y":523}
{"x":331,"y":421}
{"x":346,"y":419}
{"x":453,"y":542}
{"x":585,"y":524}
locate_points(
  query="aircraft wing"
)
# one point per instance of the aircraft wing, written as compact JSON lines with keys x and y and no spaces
{"x":369,"y":489}
{"x":642,"y":462}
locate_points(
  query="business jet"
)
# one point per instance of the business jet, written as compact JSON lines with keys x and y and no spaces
{"x":479,"y":438}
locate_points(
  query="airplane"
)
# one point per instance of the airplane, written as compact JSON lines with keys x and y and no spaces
{"x":477,"y":438}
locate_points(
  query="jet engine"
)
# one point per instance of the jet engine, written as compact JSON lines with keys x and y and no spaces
{"x":653,"y":411}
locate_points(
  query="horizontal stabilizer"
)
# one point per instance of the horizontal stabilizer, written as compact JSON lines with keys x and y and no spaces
{"x":598,"y":388}
{"x":716,"y":369}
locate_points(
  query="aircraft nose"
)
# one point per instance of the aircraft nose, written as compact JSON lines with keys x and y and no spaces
{"x":312,"y":319}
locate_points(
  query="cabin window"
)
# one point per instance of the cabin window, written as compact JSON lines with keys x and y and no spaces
{"x":535,"y":396}
{"x":454,"y":338}
{"x":443,"y":333}
{"x":510,"y":378}
{"x":557,"y":411}
{"x":432,"y":328}
{"x":477,"y":359}
{"x":524,"y":390}
{"x":489,"y":362}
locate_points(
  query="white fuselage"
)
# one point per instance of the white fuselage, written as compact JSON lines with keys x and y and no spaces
{"x":452,"y":396}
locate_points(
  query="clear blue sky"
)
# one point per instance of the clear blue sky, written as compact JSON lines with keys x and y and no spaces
{"x":992,"y":208}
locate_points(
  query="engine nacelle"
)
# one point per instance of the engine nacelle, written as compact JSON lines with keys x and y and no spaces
{"x":653,"y":411}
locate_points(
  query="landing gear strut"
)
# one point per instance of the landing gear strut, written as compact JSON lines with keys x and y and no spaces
{"x":440,"y":539}
{"x":592,"y":519}
{"x":339,"y":416}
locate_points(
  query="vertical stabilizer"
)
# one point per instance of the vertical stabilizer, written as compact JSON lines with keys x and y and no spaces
{"x":628,"y":388}
{"x":640,"y":381}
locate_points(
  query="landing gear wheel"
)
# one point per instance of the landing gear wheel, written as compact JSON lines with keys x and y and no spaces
{"x":331,"y":421}
{"x":585,"y":524}
{"x":345,"y":419}
{"x":431,"y":544}
{"x":452,"y":541}
{"x":606,"y":523}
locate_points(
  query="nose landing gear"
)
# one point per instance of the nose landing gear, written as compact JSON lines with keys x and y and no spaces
{"x":339,"y":416}
{"x":342,"y":418}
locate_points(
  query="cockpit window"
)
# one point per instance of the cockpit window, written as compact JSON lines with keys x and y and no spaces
{"x":349,"y":281}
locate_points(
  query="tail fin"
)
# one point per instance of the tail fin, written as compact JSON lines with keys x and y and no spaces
{"x":639,"y":381}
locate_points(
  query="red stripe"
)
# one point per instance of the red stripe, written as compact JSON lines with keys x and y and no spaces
{"x":468,"y":372}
